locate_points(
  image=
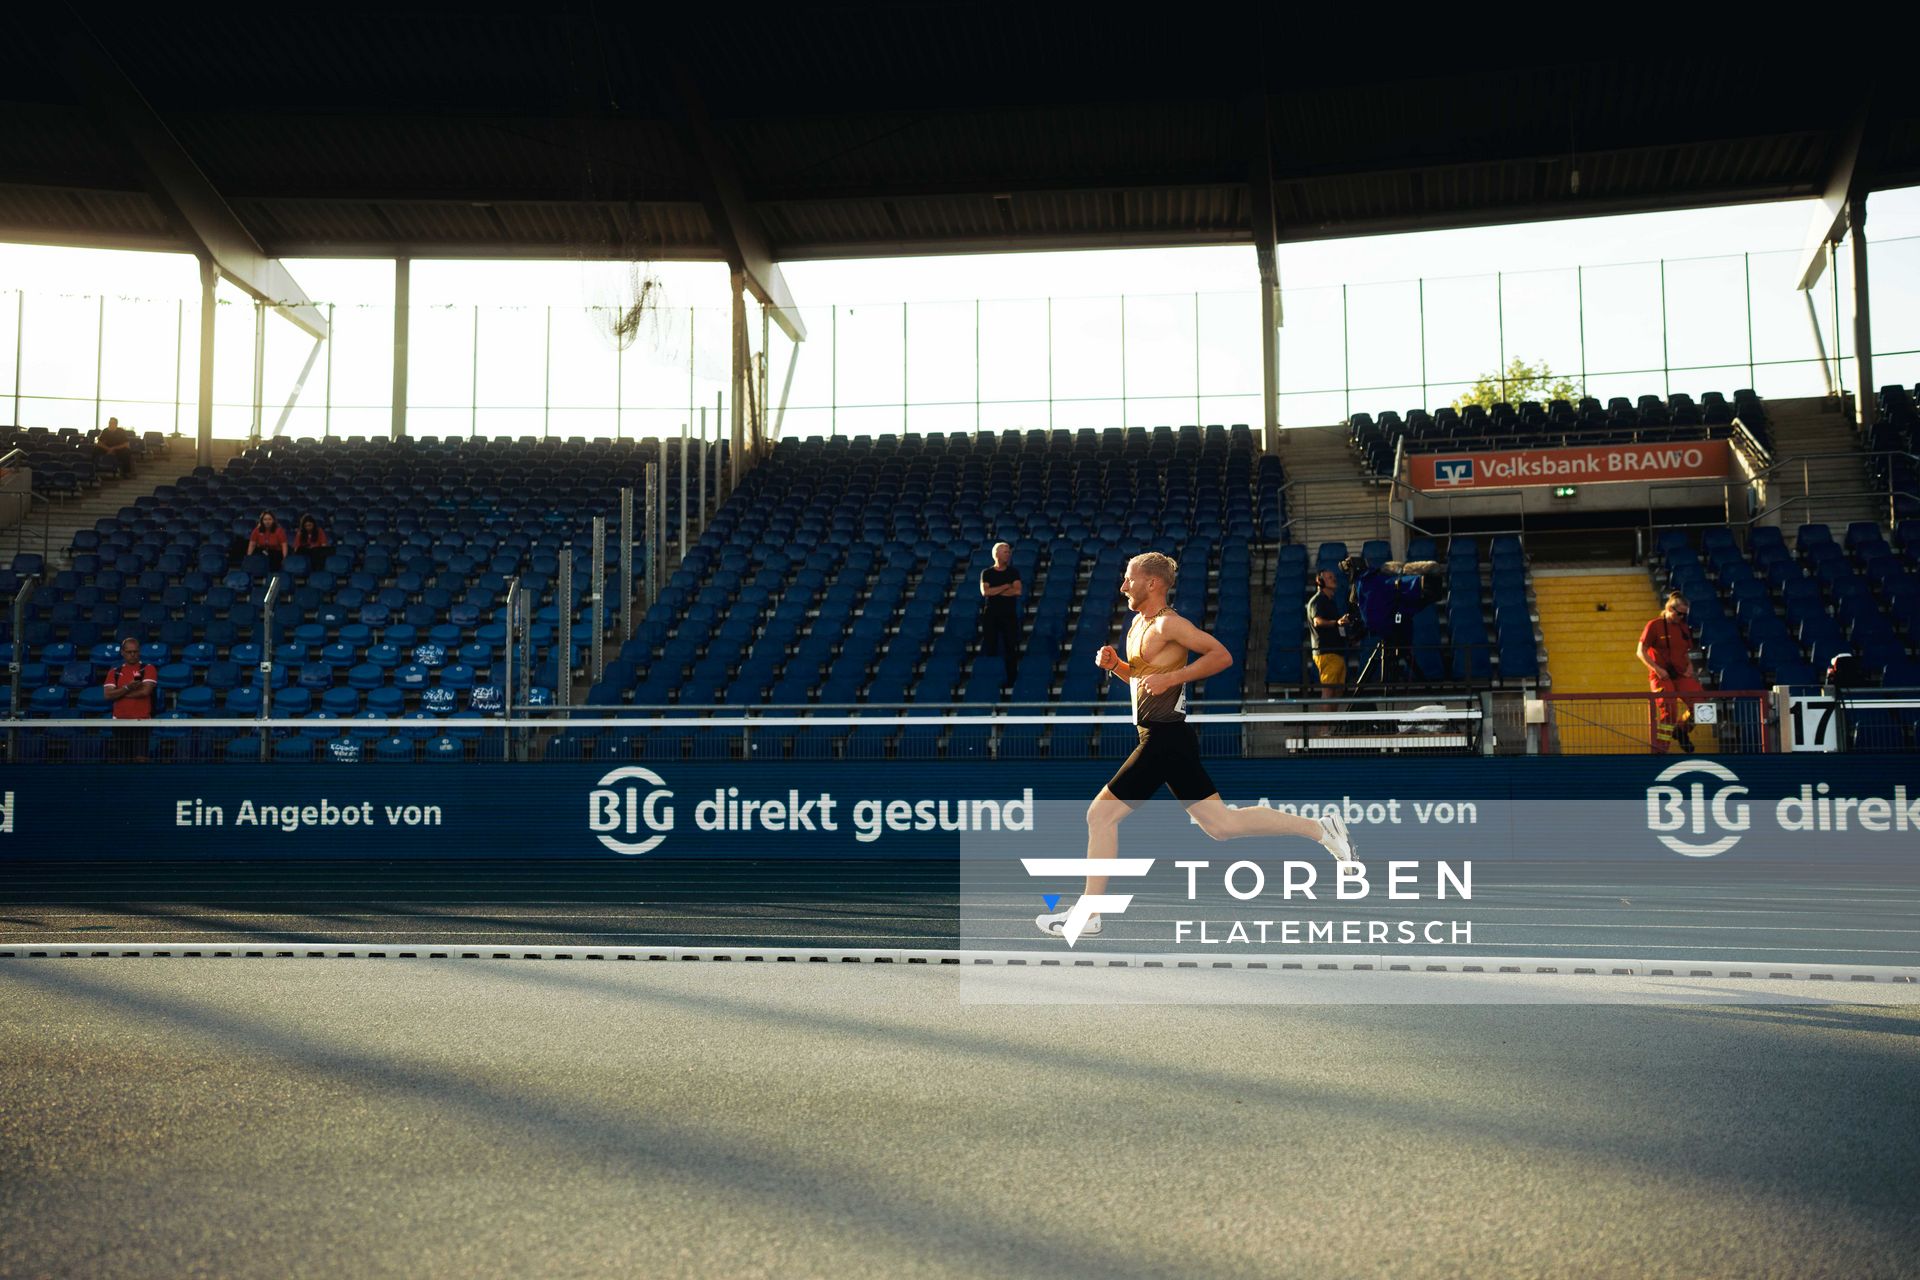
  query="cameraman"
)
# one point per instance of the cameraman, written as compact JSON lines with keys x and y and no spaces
{"x":1327,"y":624}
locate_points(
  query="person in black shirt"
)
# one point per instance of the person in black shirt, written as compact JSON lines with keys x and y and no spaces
{"x":1000,"y":619}
{"x":1327,"y":621}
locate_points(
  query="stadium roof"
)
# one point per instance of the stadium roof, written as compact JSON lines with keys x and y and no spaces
{"x":609,"y":131}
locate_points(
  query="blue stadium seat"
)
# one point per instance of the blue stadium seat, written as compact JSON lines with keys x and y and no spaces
{"x":243,"y":750}
{"x":319,"y":726}
{"x":395,"y":750}
{"x":341,"y":702}
{"x":294,"y":750}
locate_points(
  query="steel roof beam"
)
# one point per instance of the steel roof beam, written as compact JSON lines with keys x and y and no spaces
{"x":736,"y":223}
{"x":1855,"y":158}
{"x":177,"y":183}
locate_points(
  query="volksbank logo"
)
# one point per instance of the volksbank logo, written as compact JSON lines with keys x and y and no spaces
{"x":1682,"y":813}
{"x":1454,"y":471}
{"x":619,"y":806}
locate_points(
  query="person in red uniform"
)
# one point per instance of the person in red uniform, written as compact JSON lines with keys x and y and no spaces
{"x":269,"y":539}
{"x":130,"y":689}
{"x":310,"y":536}
{"x":1665,"y":649}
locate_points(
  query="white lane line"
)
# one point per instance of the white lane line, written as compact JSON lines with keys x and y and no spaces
{"x":1850,"y":972}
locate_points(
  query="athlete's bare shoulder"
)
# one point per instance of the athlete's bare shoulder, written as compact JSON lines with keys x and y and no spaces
{"x":1181,"y":631}
{"x":1161,"y":629}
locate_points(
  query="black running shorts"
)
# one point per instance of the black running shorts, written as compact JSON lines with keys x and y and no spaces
{"x":1168,"y":755}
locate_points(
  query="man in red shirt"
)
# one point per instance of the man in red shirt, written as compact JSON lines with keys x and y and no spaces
{"x":1665,"y":650}
{"x":130,"y":689}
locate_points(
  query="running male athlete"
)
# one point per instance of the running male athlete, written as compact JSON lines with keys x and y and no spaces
{"x":1156,"y":666}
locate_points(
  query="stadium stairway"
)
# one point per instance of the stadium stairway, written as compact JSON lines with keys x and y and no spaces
{"x":154,"y":472}
{"x":1819,"y":429}
{"x":1331,"y":499}
{"x":1590,"y":622}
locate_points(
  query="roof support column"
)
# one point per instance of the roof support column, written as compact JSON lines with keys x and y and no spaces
{"x":1866,"y":394}
{"x":1269,"y":366}
{"x":1843,"y":210}
{"x":203,"y":434}
{"x":742,"y":373}
{"x":402,"y":293}
{"x":1257,"y":141}
{"x":259,"y":369}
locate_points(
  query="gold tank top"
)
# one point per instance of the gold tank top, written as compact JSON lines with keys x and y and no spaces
{"x":1167,"y":706}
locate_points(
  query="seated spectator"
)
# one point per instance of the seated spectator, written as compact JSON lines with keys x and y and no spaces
{"x":268,"y":539}
{"x":116,"y":446}
{"x":310,"y":536}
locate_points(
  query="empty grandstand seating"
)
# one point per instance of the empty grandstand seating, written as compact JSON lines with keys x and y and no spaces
{"x":1560,"y":423}
{"x":63,"y":461}
{"x":1770,"y":613}
{"x":842,"y":571}
{"x":846,"y":571}
{"x":398,"y":616}
{"x":1897,"y":433}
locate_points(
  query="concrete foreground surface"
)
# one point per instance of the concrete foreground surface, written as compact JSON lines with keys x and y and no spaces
{"x":514,"y":1118}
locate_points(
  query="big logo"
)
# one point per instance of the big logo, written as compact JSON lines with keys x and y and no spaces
{"x":1454,"y":471}
{"x":617,"y":807}
{"x":1679,"y":807}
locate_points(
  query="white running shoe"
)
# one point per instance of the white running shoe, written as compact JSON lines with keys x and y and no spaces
{"x":1055,"y":925}
{"x":1336,"y":841}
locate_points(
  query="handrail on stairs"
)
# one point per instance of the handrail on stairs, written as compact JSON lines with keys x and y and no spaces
{"x":1806,"y":498}
{"x":27,"y":501}
{"x":1806,"y":494}
{"x":1743,"y":440}
{"x":1299,"y":520}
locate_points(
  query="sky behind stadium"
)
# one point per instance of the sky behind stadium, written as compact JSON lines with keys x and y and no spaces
{"x":1582,"y":294}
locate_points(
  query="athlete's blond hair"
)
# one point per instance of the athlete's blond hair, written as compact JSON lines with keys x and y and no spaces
{"x":1158,"y":565}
